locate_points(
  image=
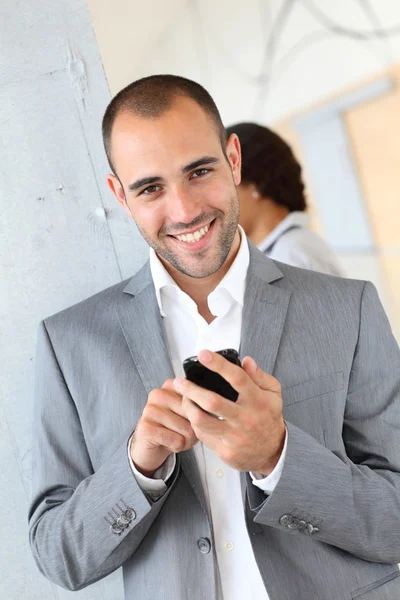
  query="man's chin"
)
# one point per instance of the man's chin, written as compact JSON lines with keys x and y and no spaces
{"x":196,"y":272}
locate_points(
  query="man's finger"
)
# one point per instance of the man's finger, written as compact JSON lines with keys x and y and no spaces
{"x":201,"y":421}
{"x":172,"y":421}
{"x":167,"y":398}
{"x":210,"y":402}
{"x":235,"y":375}
{"x":262,"y":379}
{"x":168,"y":385}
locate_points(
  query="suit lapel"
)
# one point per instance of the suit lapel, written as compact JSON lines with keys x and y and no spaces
{"x":264,"y":312}
{"x":141,"y":323}
{"x":264,"y":315}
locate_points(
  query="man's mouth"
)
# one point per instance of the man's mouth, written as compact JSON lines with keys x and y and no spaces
{"x":194,"y":236}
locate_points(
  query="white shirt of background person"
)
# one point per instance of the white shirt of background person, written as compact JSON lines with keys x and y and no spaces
{"x":294,"y":243}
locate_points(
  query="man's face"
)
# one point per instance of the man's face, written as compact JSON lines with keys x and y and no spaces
{"x":178,"y":185}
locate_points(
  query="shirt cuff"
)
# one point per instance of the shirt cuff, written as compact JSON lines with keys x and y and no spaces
{"x":269,"y":483}
{"x":154,"y":486}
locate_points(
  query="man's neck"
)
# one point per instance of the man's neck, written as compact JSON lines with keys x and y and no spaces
{"x":269,"y":216}
{"x":200,"y":288}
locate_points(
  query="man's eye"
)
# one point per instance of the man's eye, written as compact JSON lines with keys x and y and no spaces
{"x":151,"y":189}
{"x":200,"y":172}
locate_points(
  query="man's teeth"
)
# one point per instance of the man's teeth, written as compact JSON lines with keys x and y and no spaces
{"x":195,"y":236}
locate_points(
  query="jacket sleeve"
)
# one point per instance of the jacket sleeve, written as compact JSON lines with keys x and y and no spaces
{"x":351,"y":501}
{"x":82,"y":524}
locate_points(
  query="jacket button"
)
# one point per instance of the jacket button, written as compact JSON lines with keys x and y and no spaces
{"x":204,"y":545}
{"x":130,"y":514}
{"x":302,"y":525}
{"x":122,"y":522}
{"x":285,"y":520}
{"x":315,"y":530}
{"x":115,"y":528}
{"x":294,"y":524}
{"x":310,"y":529}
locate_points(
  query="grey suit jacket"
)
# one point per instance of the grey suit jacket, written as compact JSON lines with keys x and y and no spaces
{"x":331,"y":528}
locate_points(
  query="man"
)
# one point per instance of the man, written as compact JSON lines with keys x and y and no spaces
{"x":294,"y":491}
{"x":273,"y":203}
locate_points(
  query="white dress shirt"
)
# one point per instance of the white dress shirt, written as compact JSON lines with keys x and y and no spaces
{"x":187,"y":333}
{"x":292,"y":242}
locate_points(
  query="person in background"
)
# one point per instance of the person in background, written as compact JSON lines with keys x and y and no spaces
{"x":273,"y":203}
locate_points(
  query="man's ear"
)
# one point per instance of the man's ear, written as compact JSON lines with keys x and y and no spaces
{"x":115,"y":186}
{"x":234,"y":155}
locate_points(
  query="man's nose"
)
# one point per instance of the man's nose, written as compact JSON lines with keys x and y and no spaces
{"x":183,"y":206}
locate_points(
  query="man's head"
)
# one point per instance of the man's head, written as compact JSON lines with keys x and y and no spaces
{"x":270,"y":172}
{"x":174,"y":171}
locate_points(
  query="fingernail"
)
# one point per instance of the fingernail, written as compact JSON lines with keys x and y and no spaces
{"x":205,"y":356}
{"x":178,"y":382}
{"x":253,"y":364}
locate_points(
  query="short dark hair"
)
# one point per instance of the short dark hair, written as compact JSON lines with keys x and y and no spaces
{"x":269,"y":163}
{"x":151,"y":96}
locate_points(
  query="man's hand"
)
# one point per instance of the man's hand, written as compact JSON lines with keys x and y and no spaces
{"x":252,"y":433}
{"x":162,"y":429}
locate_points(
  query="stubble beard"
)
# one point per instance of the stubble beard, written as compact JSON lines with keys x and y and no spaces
{"x":202,"y":268}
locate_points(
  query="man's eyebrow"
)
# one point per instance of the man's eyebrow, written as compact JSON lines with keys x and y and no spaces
{"x":141,"y":182}
{"x":204,"y":160}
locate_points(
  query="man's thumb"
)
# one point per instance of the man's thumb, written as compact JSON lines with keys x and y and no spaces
{"x":260,"y":378}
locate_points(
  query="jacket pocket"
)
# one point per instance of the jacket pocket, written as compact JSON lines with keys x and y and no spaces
{"x":382,"y":589}
{"x":313,"y":388}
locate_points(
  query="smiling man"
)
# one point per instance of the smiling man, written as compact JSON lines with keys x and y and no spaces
{"x":294,"y":491}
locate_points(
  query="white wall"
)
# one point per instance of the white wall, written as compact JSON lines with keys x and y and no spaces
{"x":56,"y":248}
{"x":228,"y":45}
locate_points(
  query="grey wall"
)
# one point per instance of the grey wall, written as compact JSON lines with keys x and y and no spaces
{"x":62,"y":235}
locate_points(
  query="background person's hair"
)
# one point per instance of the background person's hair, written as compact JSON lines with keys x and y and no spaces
{"x":269,"y":163}
{"x":152,"y":96}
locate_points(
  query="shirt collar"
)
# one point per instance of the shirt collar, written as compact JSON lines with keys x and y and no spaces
{"x":299,"y":218}
{"x":161,"y":278}
{"x":234,"y":282}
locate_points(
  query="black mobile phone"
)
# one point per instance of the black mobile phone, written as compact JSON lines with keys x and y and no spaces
{"x":209,"y":380}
